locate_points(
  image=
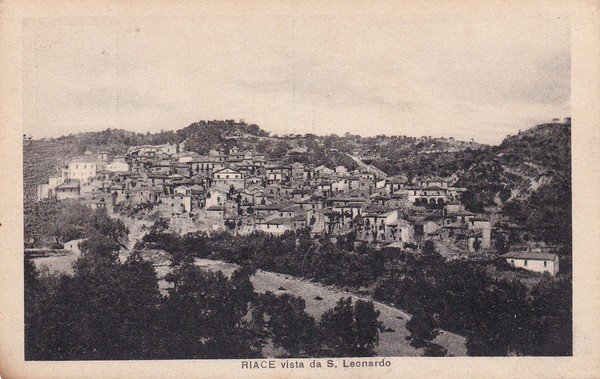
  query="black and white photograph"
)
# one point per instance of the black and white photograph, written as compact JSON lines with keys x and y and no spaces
{"x":296,"y":187}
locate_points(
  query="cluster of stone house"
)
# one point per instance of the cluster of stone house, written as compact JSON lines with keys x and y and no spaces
{"x":242,"y":192}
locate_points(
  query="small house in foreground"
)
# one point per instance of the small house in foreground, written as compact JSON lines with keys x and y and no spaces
{"x":537,"y":262}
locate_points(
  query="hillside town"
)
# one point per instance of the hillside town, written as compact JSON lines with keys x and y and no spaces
{"x":292,"y":189}
{"x":245,"y":191}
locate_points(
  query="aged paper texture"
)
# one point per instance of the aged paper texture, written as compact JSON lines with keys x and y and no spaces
{"x":415,"y":157}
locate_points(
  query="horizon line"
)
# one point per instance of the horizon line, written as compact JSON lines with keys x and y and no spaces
{"x":288,"y":134}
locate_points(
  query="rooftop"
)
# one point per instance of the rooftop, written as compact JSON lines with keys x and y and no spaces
{"x":275,"y":221}
{"x":69,"y":184}
{"x":530,"y":256}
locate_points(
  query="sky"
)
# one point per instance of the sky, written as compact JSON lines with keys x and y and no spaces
{"x":468,"y":78}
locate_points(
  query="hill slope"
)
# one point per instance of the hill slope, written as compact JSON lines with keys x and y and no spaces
{"x":529,"y":176}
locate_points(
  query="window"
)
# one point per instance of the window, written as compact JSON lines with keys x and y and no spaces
{"x":545,"y":263}
{"x":512,"y":262}
{"x":525,"y":264}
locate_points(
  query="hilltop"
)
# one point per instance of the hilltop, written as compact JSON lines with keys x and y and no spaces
{"x":547,"y":146}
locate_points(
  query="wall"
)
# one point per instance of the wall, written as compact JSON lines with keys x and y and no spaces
{"x":70,"y":194}
{"x":83,"y":171}
{"x":535,"y":265}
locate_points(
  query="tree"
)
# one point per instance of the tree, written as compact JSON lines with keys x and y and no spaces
{"x":100,"y":247}
{"x":337,"y":329}
{"x":203,"y":315}
{"x":140,"y":324}
{"x":499,"y":316}
{"x":350,"y":331}
{"x":476,"y":244}
{"x":472,"y":201}
{"x":502,"y":244}
{"x":367,"y":327}
{"x":552,"y":320}
{"x":195,"y":244}
{"x":35,"y":299}
{"x":68,"y":220}
{"x":106,"y":310}
{"x":280,"y":149}
{"x":289,"y":325}
{"x":423,"y":327}
{"x":429,"y":247}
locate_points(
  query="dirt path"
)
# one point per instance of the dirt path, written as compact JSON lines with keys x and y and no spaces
{"x":137,"y":230}
{"x":369,"y":168}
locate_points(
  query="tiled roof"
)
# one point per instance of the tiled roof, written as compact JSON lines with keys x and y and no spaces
{"x":529,"y":255}
{"x":275,"y":221}
{"x":69,"y":184}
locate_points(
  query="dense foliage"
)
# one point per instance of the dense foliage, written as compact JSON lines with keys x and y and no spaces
{"x":293,"y":253}
{"x":113,"y":310}
{"x":547,"y":214}
{"x":351,"y":330}
{"x":58,"y":222}
{"x":291,"y":328}
{"x":498,"y":316}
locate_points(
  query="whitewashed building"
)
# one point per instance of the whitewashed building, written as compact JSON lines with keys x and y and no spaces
{"x":227,"y":177}
{"x":48,"y":190}
{"x":537,"y":262}
{"x":276,"y":226}
{"x":83,"y":169}
{"x":216,"y":197}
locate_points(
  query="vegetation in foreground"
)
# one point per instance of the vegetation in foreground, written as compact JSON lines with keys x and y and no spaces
{"x":113,"y":310}
{"x":498,"y":316}
{"x":106,"y":303}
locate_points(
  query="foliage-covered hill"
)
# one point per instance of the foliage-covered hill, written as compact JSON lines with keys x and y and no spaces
{"x":548,"y":145}
{"x":541,"y":158}
{"x":522,"y":164}
{"x":529,"y":176}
